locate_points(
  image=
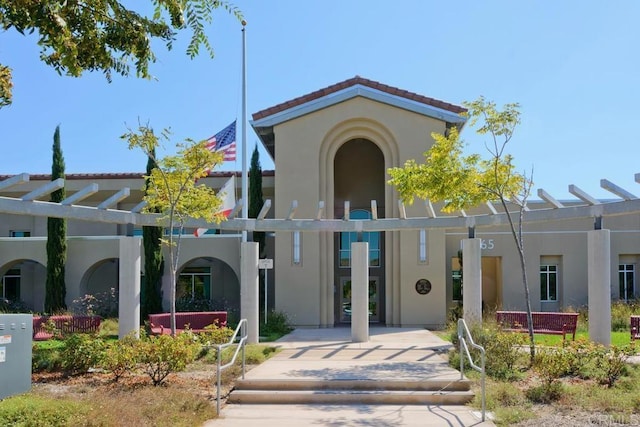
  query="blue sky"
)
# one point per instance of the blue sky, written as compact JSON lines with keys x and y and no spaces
{"x":572,"y":65}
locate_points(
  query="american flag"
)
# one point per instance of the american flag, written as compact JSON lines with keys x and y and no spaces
{"x":224,"y":141}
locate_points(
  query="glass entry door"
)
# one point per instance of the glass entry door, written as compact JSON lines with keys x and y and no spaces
{"x":345,"y":299}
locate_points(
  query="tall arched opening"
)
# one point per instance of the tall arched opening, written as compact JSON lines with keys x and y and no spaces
{"x":359,"y":177}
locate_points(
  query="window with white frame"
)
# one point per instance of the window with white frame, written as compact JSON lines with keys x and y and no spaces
{"x":627,"y":279}
{"x":548,"y":282}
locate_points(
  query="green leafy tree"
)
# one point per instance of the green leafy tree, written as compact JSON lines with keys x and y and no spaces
{"x":106,"y":35}
{"x":255,"y":204}
{"x":5,"y":86}
{"x":255,"y":196}
{"x":462,"y":181}
{"x":174,"y":192}
{"x":55,"y":289}
{"x":153,"y":260}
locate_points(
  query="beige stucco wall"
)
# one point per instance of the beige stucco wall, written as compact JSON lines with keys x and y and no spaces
{"x":305,"y":152}
{"x":89,"y":270}
{"x":561,"y":242}
{"x":416,"y":309}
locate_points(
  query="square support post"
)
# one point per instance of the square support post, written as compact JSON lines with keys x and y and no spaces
{"x":249,"y":293}
{"x":472,"y":280}
{"x":360,"y":292}
{"x":599,"y":284}
{"x":129,"y":286}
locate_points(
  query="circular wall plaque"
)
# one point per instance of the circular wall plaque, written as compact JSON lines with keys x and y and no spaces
{"x":423,"y":286}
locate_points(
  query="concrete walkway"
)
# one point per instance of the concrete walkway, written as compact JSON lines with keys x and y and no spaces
{"x":391,"y":353}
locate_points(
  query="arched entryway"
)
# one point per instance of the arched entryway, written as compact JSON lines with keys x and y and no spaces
{"x":23,"y":283}
{"x":359,"y":178}
{"x":210,"y":282}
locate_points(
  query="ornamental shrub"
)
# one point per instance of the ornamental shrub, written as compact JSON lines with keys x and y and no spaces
{"x":121,"y":356}
{"x":103,"y":304}
{"x":81,"y":352}
{"x":214,"y":334}
{"x":164,"y":354}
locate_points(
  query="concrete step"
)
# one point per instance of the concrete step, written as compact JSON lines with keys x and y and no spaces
{"x":353,"y":385}
{"x":356,"y":391}
{"x":350,"y":397}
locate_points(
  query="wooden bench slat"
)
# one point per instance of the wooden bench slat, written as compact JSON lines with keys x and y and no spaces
{"x":544,"y":322}
{"x":68,"y":324}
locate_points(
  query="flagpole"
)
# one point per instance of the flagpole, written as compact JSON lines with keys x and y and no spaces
{"x":245,"y":184}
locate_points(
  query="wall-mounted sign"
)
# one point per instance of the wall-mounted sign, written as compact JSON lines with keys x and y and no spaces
{"x":423,"y":286}
{"x":265,"y":264}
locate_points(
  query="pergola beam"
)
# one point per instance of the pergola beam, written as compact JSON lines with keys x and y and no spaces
{"x":430,"y":211}
{"x":265,"y":209}
{"x":88,"y":213}
{"x":320,"y":212}
{"x":138,"y":208}
{"x":115,"y":199}
{"x":14,"y":180}
{"x":549,"y":199}
{"x":401,"y":210}
{"x":618,"y":191}
{"x":236,"y":209}
{"x":292,"y":210}
{"x":44,"y":190}
{"x":582,"y":195}
{"x":374,"y":210}
{"x":80,"y":195}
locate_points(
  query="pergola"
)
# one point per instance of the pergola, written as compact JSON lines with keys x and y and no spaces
{"x":598,"y":244}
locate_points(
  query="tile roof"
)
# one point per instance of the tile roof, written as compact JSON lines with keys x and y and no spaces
{"x":357,"y":80}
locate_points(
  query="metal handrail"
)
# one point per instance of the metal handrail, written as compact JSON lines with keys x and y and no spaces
{"x":242,"y":330}
{"x":463,"y":331}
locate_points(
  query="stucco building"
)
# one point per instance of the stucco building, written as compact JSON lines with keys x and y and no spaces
{"x":335,"y":146}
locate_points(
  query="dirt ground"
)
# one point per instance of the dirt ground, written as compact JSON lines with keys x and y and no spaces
{"x":202,"y":382}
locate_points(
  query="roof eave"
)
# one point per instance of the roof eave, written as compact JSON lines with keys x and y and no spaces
{"x":264,"y":126}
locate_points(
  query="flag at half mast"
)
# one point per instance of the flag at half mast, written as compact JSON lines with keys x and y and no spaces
{"x":224,"y":142}
{"x":228,"y":195}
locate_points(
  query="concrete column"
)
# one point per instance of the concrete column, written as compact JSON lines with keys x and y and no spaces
{"x":472,"y":280}
{"x":129,"y":286}
{"x":249,"y":296}
{"x":360,"y":292}
{"x":599,"y":281}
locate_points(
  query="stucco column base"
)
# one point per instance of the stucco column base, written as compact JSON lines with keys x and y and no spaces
{"x":129,"y":286}
{"x":360,"y":292}
{"x":599,"y":281}
{"x":472,"y":280}
{"x":249,"y":293}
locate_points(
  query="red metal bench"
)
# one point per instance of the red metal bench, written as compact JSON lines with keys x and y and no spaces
{"x":553,"y":323}
{"x":66,"y":324}
{"x":635,"y":327}
{"x":196,"y":321}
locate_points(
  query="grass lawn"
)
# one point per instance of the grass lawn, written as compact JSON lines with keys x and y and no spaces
{"x":621,"y":338}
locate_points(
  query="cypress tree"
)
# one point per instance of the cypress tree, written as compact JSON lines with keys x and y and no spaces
{"x":56,"y":291}
{"x":153,"y":261}
{"x":255,"y":197}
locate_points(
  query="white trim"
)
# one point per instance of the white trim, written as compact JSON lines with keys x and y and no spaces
{"x":353,"y":92}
